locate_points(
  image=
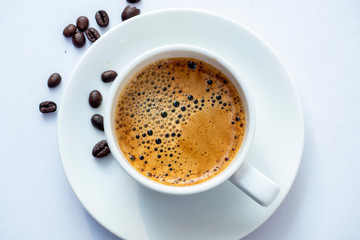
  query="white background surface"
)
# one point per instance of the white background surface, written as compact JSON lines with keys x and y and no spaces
{"x":319,"y":43}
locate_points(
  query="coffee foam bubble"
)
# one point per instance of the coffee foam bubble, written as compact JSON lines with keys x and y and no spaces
{"x":179,"y":121}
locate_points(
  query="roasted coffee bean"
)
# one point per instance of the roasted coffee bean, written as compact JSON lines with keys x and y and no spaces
{"x":54,"y":80}
{"x":108,"y":76}
{"x":102,"y":18}
{"x":98,"y":121}
{"x":133,"y":1}
{"x":101,"y":149}
{"x":95,"y":99}
{"x":78,"y":39}
{"x":92,"y":34}
{"x":129,"y":12}
{"x":82,"y":23}
{"x":69,"y":30}
{"x":47,"y":107}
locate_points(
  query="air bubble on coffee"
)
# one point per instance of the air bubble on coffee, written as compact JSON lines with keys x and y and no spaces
{"x":183,"y":113}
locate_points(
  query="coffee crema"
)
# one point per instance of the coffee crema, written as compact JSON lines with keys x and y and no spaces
{"x":179,"y":121}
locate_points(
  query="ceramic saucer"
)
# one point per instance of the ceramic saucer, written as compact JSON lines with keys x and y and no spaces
{"x":132,"y":212}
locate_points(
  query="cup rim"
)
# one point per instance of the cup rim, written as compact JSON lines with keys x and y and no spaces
{"x":121,"y":159}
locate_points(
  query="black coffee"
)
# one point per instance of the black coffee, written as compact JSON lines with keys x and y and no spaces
{"x":179,"y":121}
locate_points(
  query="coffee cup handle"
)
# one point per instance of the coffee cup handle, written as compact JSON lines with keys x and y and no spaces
{"x":255,"y":184}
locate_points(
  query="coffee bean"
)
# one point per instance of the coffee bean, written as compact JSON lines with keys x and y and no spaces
{"x":133,"y":1}
{"x":102,"y":18}
{"x":129,"y":12}
{"x":101,"y":149}
{"x":98,"y":121}
{"x":78,"y":39}
{"x":54,"y":80}
{"x":108,"y":76}
{"x":82,"y":23}
{"x":69,"y":30}
{"x":47,"y":107}
{"x":92,"y":34}
{"x":95,"y":99}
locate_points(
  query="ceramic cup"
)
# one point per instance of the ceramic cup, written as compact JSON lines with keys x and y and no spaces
{"x":242,"y":174}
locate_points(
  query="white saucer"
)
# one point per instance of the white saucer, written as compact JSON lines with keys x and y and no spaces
{"x":133,"y":212}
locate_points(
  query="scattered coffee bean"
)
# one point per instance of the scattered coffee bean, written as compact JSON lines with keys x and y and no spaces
{"x":78,"y":39}
{"x":95,"y":99}
{"x":69,"y":30}
{"x":108,"y":76}
{"x":101,"y":149}
{"x":102,"y":18}
{"x":82,"y":23}
{"x":47,"y":107}
{"x":92,"y":34}
{"x":54,"y":80}
{"x":133,"y":1}
{"x":129,"y":12}
{"x":98,"y":121}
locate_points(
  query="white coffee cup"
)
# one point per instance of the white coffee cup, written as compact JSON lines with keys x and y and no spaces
{"x":242,"y":174}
